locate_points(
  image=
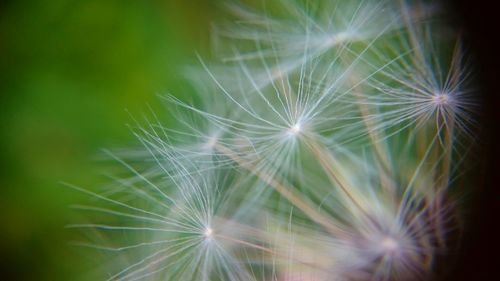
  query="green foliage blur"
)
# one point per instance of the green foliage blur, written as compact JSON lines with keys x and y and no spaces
{"x":69,"y":72}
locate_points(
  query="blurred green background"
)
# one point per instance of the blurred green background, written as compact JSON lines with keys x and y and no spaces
{"x":68,"y":71}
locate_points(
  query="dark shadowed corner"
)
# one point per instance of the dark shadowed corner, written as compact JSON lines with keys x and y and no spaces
{"x":478,"y":258}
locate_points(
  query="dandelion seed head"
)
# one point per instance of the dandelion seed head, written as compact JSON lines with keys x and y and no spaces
{"x":441,"y":99}
{"x":338,"y":38}
{"x":211,"y":142}
{"x":295,"y":129}
{"x":389,"y":245}
{"x":276,"y":139}
{"x":208,"y":233}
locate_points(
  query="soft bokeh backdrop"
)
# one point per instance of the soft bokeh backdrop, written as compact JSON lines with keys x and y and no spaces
{"x":68,"y":71}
